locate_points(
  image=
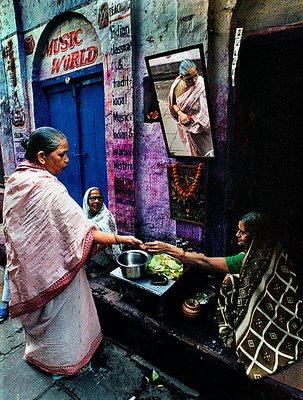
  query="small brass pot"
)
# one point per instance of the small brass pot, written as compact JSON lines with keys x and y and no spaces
{"x":191,"y":308}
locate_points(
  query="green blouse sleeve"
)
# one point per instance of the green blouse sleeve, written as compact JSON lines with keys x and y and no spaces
{"x":234,"y":263}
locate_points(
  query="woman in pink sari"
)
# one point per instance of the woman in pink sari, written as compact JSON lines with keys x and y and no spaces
{"x":188,"y":106}
{"x":48,"y":238}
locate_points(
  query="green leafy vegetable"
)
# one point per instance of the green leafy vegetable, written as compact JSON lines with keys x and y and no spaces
{"x":166,"y":265}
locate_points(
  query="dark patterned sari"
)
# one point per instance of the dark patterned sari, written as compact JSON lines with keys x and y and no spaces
{"x":259,"y":311}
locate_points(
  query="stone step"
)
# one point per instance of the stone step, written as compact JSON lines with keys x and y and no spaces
{"x":187,"y":350}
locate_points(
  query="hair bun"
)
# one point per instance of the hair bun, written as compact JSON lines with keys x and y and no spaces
{"x":24,"y":142}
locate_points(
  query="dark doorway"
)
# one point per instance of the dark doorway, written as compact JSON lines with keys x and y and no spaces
{"x":267,"y":144}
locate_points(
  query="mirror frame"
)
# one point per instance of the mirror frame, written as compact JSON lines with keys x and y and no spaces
{"x":163,"y":70}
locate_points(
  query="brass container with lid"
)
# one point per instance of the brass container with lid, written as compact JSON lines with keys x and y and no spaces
{"x":191,"y":308}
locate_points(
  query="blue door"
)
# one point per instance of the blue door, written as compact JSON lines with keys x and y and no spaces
{"x":92,"y":138}
{"x":77,"y":109}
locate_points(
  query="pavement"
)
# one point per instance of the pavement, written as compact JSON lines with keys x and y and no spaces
{"x":117,"y":374}
{"x":185,"y":360}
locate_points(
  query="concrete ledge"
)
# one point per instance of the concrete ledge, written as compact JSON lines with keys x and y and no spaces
{"x":213,"y":372}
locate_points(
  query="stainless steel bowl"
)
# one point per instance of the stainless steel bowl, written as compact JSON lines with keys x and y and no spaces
{"x":132,"y":263}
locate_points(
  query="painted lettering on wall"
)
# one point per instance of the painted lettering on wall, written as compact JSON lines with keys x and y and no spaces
{"x":120,"y":8}
{"x":73,"y":45}
{"x":122,"y":117}
{"x":120,"y":108}
{"x":78,"y":58}
{"x":68,"y":41}
{"x":120,"y":49}
{"x":123,"y":166}
{"x":125,"y":81}
{"x":119,"y":101}
{"x":124,"y":150}
{"x":9,"y":57}
{"x":120,"y":134}
{"x":119,"y":31}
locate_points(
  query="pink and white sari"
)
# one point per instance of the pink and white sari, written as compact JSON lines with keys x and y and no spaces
{"x":196,"y":135}
{"x":48,"y":239}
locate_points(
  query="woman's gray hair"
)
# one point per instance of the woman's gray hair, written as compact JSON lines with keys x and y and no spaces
{"x":253,"y":221}
{"x":44,"y":139}
{"x":185,"y":66}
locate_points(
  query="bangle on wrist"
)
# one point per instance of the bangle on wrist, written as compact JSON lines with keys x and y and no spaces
{"x":116,"y":238}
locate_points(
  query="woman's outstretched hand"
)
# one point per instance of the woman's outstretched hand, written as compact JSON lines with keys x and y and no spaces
{"x":130,"y":240}
{"x":158,"y":247}
{"x":105,"y":239}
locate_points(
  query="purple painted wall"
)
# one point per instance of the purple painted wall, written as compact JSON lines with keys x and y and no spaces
{"x":155,"y":32}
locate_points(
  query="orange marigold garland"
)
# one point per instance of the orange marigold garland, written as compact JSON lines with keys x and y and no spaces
{"x":185,"y":195}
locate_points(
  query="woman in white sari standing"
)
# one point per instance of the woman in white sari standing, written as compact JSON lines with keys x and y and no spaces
{"x":48,"y":238}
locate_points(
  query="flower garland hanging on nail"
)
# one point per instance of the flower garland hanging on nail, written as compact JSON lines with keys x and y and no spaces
{"x":185,"y":195}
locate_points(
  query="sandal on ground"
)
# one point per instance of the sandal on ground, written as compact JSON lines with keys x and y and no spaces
{"x":3,"y":312}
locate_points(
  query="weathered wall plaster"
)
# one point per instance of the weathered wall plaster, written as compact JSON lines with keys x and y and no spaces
{"x":153,"y":26}
{"x":157,"y":26}
{"x":160,"y":26}
{"x":254,"y":16}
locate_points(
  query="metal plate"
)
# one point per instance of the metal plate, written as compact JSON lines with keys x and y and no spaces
{"x":143,"y":283}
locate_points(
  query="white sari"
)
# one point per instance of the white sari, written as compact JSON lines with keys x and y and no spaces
{"x":105,"y":222}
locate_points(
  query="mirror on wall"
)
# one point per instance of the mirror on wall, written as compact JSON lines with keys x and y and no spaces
{"x":180,"y":84}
